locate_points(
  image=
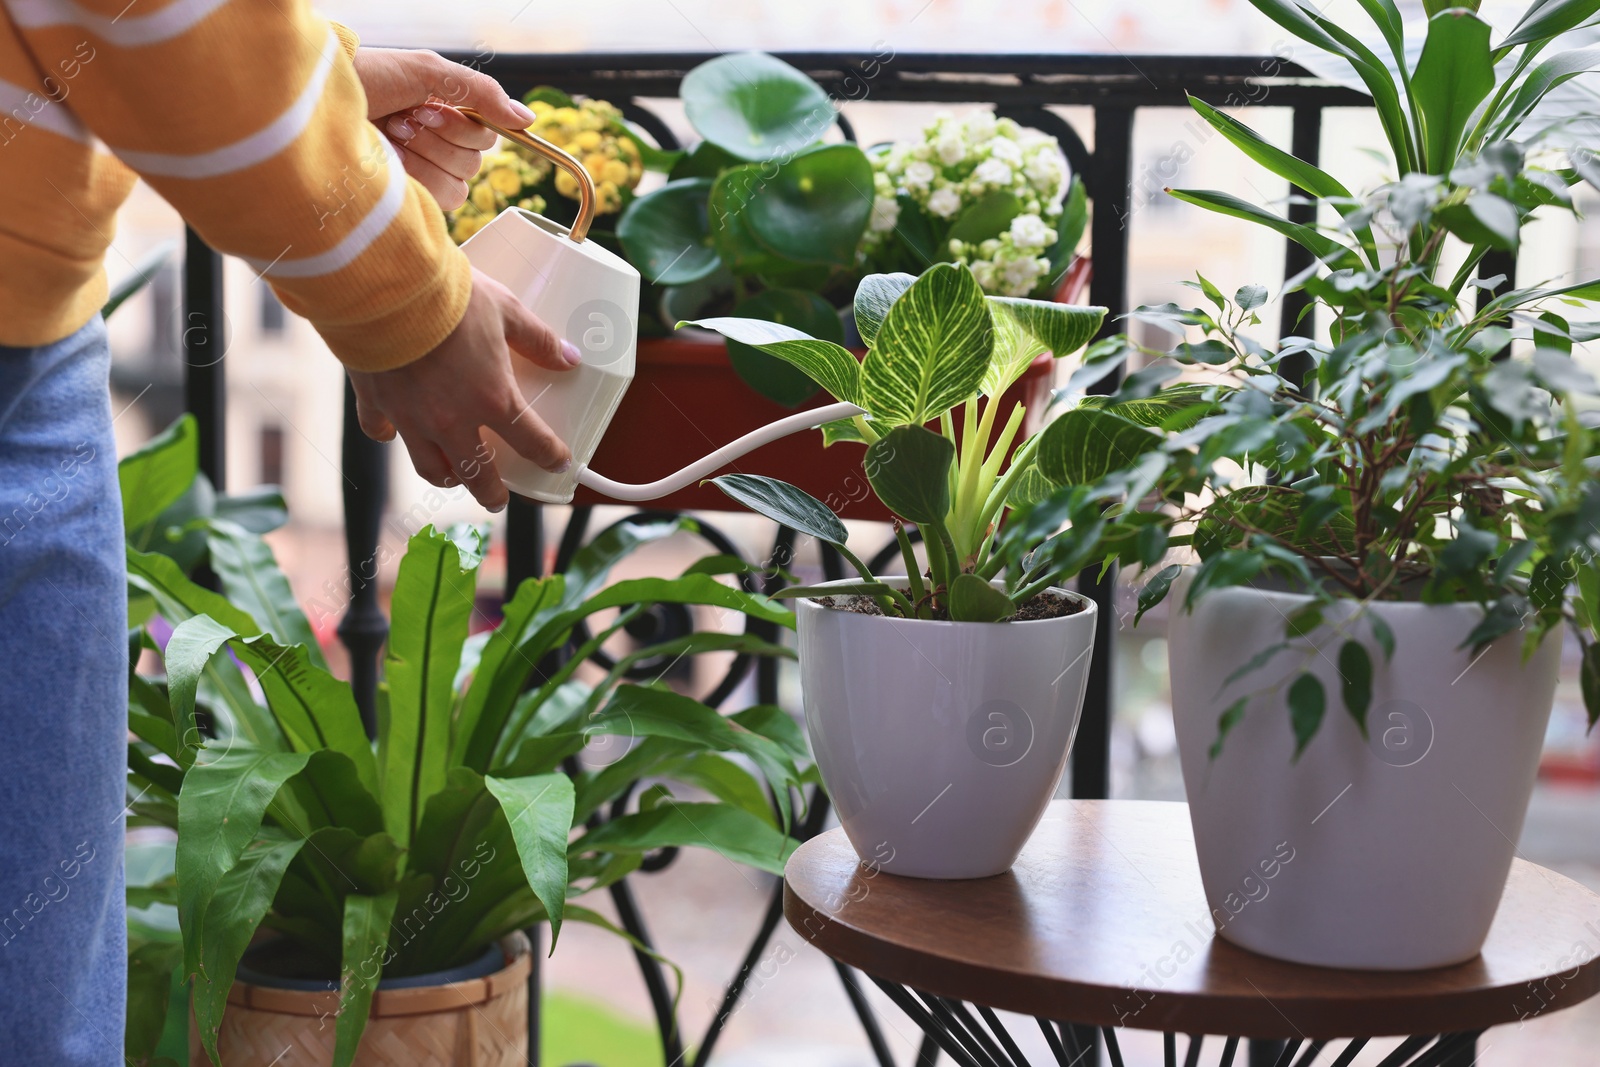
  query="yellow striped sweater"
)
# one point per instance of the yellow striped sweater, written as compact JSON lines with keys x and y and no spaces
{"x":248,"y":117}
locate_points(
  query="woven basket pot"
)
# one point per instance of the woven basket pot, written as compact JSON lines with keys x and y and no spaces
{"x":481,"y":1022}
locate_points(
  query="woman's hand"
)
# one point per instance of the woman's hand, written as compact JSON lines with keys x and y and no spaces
{"x":412,"y":97}
{"x":439,"y":403}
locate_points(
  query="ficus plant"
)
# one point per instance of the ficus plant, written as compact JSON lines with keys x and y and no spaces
{"x":471,"y":815}
{"x":1440,"y":444}
{"x":989,"y":499}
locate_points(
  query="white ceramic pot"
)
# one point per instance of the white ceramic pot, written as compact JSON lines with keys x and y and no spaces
{"x":941,"y":743}
{"x":1388,"y":853}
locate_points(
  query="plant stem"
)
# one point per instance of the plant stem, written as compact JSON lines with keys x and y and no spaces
{"x":974,"y":450}
{"x":939,"y":556}
{"x":909,"y":555}
{"x":864,"y":428}
{"x":1028,"y":592}
{"x":991,"y":470}
{"x":1020,"y":463}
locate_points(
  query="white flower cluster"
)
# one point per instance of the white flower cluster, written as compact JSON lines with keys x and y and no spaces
{"x":958,"y":162}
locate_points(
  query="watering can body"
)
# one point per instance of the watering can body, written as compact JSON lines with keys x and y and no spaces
{"x":588,"y":295}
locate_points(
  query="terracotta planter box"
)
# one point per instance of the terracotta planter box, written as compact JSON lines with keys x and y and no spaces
{"x":481,"y":1022}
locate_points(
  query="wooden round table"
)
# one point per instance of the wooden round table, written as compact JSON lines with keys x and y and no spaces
{"x":1103,"y":923}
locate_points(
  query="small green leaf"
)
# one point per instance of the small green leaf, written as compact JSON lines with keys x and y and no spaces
{"x":1250,"y":297}
{"x":1253,"y":664}
{"x":1030,"y":328}
{"x":974,"y":600}
{"x":987,"y":218}
{"x":909,"y":469}
{"x":1304,"y":621}
{"x":1156,"y":589}
{"x":1307,"y":702}
{"x":785,"y":505}
{"x":1589,"y":679}
{"x":1226,"y":722}
{"x":1382,"y":633}
{"x":1355,"y":672}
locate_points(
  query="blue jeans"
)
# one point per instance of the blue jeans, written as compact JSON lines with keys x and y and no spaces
{"x":63,"y":708}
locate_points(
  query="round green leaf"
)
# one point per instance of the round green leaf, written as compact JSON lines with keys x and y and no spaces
{"x":768,"y":375}
{"x":704,"y":160}
{"x":730,"y":235}
{"x":755,"y":106}
{"x":815,"y":208}
{"x":909,"y":469}
{"x":667,"y":233}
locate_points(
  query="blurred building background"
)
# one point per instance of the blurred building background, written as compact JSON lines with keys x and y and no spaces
{"x":285,"y":413}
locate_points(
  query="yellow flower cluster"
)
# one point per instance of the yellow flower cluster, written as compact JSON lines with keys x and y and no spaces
{"x":588,"y":133}
{"x":512,"y":174}
{"x":506,"y":177}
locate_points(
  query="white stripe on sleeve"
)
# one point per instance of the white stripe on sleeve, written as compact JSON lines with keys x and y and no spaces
{"x":261,"y":145}
{"x":355,"y":242}
{"x":124,"y":30}
{"x":30,"y":107}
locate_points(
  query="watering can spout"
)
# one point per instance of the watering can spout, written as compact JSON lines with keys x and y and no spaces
{"x":709,"y":465}
{"x":590,"y":296}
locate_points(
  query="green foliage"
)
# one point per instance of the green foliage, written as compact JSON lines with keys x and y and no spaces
{"x":760,"y":219}
{"x":936,"y":345}
{"x":462,"y":822}
{"x":1464,"y":97}
{"x":1405,"y":457}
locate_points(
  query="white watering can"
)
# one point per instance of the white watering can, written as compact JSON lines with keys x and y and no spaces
{"x":590,"y":296}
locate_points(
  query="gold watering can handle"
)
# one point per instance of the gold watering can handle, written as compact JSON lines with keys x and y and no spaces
{"x":580,"y":225}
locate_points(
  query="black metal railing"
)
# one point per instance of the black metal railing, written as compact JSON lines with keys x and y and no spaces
{"x":1023,"y":87}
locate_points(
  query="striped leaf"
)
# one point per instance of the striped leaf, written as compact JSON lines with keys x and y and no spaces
{"x":829,"y":365}
{"x":931,"y":352}
{"x":1086,"y":444}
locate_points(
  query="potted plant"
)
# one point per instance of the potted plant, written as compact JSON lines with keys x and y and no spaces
{"x":941,"y":702}
{"x":388,"y":881}
{"x":1396,"y":521}
{"x":763,"y":219}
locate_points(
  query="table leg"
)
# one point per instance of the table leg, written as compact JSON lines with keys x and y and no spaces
{"x":954,"y":1027}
